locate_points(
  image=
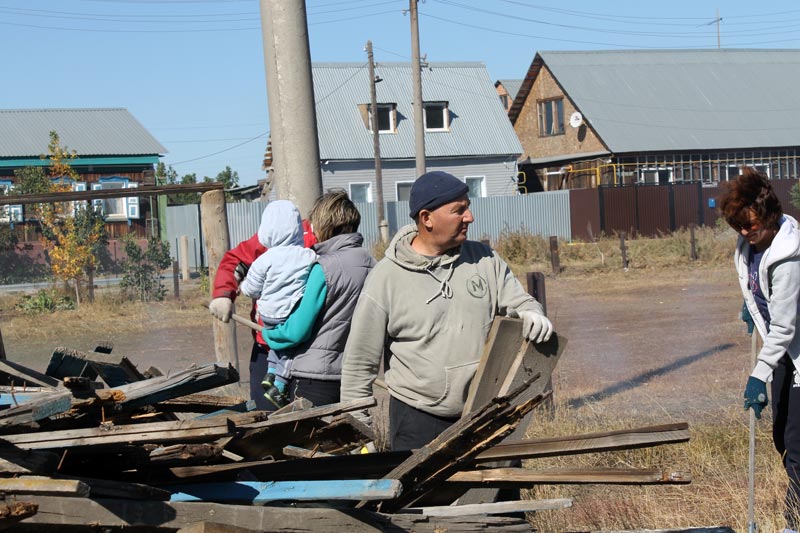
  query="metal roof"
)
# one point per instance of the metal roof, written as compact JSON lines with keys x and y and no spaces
{"x":644,"y":100}
{"x":478,"y":123}
{"x":26,"y":132}
{"x":511,"y":87}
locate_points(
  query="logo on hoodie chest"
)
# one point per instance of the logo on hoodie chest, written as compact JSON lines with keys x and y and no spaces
{"x":477,"y":286}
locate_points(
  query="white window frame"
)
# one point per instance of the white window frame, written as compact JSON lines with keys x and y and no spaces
{"x":642,"y":181}
{"x":369,"y":189}
{"x":130,"y":205}
{"x":445,"y":115}
{"x":10,"y":213}
{"x":392,"y":118}
{"x":738,"y":169}
{"x":483,"y":185}
{"x":397,"y":188}
{"x":557,"y":126}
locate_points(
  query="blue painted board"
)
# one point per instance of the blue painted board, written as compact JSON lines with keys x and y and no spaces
{"x":9,"y":400}
{"x":258,"y":492}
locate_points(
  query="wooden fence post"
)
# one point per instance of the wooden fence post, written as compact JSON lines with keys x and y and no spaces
{"x":554,"y":259}
{"x":183,"y":257}
{"x":2,"y":348}
{"x":536,"y":288}
{"x":693,"y":241}
{"x":623,"y":249}
{"x":176,"y":288}
{"x":90,"y":284}
{"x":214,"y":220}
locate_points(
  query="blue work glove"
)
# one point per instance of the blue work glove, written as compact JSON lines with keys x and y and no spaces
{"x":755,"y":395}
{"x":747,"y":319}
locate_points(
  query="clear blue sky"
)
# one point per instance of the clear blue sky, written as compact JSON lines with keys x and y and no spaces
{"x":192,"y":71}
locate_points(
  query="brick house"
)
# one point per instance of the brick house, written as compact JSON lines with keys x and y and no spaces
{"x":657,"y":116}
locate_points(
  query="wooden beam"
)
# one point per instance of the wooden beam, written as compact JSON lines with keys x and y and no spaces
{"x":162,"y":516}
{"x":259,"y":493}
{"x":624,"y":439}
{"x":518,"y":506}
{"x":522,"y":477}
{"x":214,"y":527}
{"x":200,"y":403}
{"x":18,"y":375}
{"x":102,"y":194}
{"x":44,"y":485}
{"x":115,"y":370}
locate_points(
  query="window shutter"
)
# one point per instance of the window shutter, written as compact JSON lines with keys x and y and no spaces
{"x":132,"y":202}
{"x":97,"y":205}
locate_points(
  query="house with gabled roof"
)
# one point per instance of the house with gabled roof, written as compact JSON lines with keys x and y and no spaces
{"x":113,"y":151}
{"x":467,"y":132}
{"x":507,"y":91}
{"x":611,"y":117}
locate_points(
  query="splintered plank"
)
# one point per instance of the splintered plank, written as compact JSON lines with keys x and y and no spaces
{"x":517,"y":506}
{"x":12,"y":513}
{"x":458,"y":445}
{"x":37,"y":409}
{"x":522,"y":477}
{"x":507,"y":361}
{"x":257,"y":492}
{"x":163,"y":516}
{"x":203,"y":403}
{"x":624,"y":439}
{"x":109,"y":434}
{"x":21,"y":376}
{"x":269,"y":437}
{"x":159,"y":389}
{"x":115,"y":370}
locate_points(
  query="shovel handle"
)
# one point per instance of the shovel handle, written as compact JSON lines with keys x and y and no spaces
{"x":242,"y":320}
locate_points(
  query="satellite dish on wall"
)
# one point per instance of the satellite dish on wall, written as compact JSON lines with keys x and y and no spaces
{"x":576,"y":119}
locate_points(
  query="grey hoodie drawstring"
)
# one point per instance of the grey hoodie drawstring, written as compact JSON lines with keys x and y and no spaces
{"x":445,"y":290}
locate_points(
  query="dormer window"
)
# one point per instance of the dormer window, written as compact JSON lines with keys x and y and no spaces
{"x":387,"y":118}
{"x":436,"y":116}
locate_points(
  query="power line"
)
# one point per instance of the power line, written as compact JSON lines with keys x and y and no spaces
{"x":221,"y":151}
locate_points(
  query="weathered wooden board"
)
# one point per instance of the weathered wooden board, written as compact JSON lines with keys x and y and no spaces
{"x":12,"y":513}
{"x":43,"y":485}
{"x":522,"y":477}
{"x":519,"y":506}
{"x":164,"y":516}
{"x":105,"y":488}
{"x":214,"y":527}
{"x":16,"y":461}
{"x":115,"y":370}
{"x":37,"y":409}
{"x":258,"y":492}
{"x":21,"y":376}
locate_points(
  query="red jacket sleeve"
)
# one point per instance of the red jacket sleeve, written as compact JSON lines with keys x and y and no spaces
{"x":309,"y":239}
{"x":246,"y":252}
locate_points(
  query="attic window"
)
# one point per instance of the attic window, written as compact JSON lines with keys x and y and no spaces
{"x":436,"y":115}
{"x":551,"y":117}
{"x":387,"y":118}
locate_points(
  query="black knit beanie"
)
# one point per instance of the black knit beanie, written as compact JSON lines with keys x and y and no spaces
{"x":433,"y":189}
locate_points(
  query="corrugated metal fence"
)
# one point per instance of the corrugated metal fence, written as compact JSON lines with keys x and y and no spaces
{"x":645,"y":210}
{"x":540,"y":214}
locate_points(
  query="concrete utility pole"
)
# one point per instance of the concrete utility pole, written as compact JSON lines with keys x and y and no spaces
{"x":383,"y":227}
{"x":416,"y":77}
{"x":270,"y":67}
{"x":285,"y":32}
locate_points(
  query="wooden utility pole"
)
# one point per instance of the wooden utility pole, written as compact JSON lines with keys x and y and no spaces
{"x":214,"y":220}
{"x":183,"y":256}
{"x":383,"y":227}
{"x":416,"y":77}
{"x":285,"y":33}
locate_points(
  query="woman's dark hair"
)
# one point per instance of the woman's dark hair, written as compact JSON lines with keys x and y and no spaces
{"x":750,"y":190}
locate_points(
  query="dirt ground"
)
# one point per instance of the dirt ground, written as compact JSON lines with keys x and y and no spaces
{"x":661,"y":344}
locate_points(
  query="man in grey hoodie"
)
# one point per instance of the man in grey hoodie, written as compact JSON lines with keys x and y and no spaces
{"x":430,"y":304}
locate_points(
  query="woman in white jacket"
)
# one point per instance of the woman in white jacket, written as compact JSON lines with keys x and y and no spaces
{"x":767,"y":260}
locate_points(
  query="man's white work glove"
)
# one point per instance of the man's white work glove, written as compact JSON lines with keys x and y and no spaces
{"x":535,"y":326}
{"x":221,"y":308}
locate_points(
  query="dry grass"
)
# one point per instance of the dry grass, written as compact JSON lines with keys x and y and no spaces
{"x":526,"y":252}
{"x":716,"y":457}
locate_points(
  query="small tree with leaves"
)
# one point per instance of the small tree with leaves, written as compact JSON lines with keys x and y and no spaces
{"x":141,"y":271}
{"x":72,"y":238}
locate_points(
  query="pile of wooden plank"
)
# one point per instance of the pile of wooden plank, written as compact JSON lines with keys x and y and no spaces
{"x":95,"y":443}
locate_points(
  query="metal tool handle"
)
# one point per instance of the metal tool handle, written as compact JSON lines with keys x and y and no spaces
{"x":751,"y":466}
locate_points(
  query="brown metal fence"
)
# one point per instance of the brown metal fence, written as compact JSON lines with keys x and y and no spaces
{"x":649,"y":210}
{"x":584,"y":208}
